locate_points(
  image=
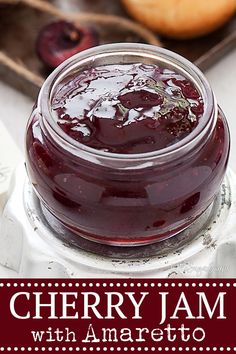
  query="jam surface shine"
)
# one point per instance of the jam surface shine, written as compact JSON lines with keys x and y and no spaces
{"x":126,"y":207}
{"x":131,"y":108}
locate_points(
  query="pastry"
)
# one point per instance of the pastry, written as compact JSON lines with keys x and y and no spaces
{"x":181,"y":18}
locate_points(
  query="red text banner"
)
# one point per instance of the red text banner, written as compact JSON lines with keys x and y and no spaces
{"x":117,"y":315}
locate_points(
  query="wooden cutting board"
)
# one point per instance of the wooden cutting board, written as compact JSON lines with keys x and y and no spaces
{"x":204,"y":51}
{"x":21,"y":20}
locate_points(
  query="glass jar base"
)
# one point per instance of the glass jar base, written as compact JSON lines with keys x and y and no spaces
{"x":128,"y":250}
{"x":117,"y":241}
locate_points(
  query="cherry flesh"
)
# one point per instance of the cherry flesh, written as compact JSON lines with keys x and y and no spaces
{"x":60,"y":40}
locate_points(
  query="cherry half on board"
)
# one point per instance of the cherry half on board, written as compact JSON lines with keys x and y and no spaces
{"x":60,"y":40}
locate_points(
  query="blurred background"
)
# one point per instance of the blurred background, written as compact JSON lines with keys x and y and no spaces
{"x":36,"y":35}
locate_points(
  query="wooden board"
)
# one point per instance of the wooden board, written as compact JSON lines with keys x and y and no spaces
{"x":203,"y":51}
{"x":21,"y":20}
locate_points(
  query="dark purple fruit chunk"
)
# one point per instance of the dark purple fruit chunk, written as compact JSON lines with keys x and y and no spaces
{"x":187,"y":88}
{"x":142,"y":98}
{"x":177,"y":114}
{"x":60,"y":40}
{"x":198,"y":110}
{"x":190,"y":203}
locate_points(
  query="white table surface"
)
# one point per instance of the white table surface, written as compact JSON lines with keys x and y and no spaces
{"x":15,"y":108}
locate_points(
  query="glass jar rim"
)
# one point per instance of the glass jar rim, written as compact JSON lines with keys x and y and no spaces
{"x":125,"y":51}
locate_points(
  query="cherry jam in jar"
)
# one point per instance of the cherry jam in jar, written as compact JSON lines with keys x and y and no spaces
{"x":126,"y":144}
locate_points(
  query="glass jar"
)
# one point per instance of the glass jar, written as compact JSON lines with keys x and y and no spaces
{"x":120,"y":199}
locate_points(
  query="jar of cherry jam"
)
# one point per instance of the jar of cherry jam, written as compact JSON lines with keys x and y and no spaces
{"x":126,"y":144}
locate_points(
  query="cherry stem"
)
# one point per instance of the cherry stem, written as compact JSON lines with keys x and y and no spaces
{"x":72,"y":35}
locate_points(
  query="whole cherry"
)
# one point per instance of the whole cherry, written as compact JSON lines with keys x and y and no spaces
{"x":60,"y":40}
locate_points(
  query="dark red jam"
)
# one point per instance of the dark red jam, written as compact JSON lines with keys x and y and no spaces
{"x":126,"y":109}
